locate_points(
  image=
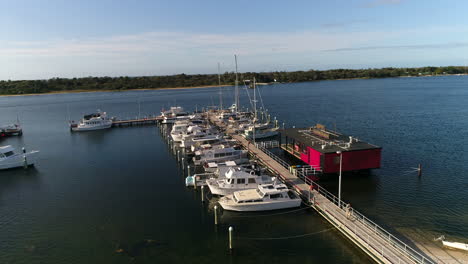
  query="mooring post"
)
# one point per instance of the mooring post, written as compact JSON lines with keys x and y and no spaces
{"x":25,"y":161}
{"x":231,"y":230}
{"x":216,"y":214}
{"x":419,"y":170}
{"x":202,"y":193}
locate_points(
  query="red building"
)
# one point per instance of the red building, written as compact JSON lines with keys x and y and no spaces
{"x":320,"y":148}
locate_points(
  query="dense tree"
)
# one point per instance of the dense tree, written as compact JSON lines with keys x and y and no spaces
{"x":185,"y":80}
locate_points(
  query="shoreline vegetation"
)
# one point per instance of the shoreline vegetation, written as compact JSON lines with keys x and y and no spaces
{"x":185,"y":81}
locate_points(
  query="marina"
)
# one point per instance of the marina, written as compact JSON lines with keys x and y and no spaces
{"x":323,"y":219}
{"x":372,"y":239}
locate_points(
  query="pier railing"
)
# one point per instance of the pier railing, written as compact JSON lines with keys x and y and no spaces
{"x":394,"y":244}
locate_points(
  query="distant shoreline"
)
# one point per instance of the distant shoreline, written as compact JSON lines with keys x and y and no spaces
{"x":215,"y":86}
{"x":117,"y":91}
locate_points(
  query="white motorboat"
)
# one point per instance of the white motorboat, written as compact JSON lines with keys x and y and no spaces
{"x":264,"y":198}
{"x":261,"y":131}
{"x":199,"y":140}
{"x":179,"y":129}
{"x":453,"y":245}
{"x":95,"y":121}
{"x":225,"y":165}
{"x":174,"y":114}
{"x":200,"y":144}
{"x":11,"y":159}
{"x":237,"y":179}
{"x":11,"y":130}
{"x":199,"y":135}
{"x":218,"y":155}
{"x":219,"y":172}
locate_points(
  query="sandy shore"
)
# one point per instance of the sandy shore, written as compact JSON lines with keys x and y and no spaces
{"x":116,"y":91}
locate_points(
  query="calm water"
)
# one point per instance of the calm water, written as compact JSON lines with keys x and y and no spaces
{"x":92,"y":193}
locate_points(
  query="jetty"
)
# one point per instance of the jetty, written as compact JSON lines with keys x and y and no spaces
{"x":137,"y":121}
{"x":379,"y":244}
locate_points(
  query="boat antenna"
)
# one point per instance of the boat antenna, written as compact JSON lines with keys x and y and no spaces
{"x":236,"y":101}
{"x":220,"y":89}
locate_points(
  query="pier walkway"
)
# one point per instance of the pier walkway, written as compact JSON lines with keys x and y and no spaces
{"x":375,"y":241}
{"x":137,"y":121}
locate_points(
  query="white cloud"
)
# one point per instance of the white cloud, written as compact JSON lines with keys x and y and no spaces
{"x":159,"y":53}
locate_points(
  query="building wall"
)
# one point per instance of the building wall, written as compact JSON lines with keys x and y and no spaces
{"x":352,"y":160}
{"x":313,"y":158}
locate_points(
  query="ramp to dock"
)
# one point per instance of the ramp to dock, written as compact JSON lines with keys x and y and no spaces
{"x":375,"y":241}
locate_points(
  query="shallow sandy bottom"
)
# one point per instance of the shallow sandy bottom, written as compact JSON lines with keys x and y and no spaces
{"x":434,"y":249}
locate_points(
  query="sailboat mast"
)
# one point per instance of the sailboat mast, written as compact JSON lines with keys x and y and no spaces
{"x":255,"y":109}
{"x":220,"y":89}
{"x":236,"y":100}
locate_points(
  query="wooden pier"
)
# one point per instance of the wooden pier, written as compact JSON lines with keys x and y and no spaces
{"x":137,"y":121}
{"x":375,"y":241}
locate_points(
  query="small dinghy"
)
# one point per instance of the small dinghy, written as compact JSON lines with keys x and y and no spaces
{"x":453,"y":245}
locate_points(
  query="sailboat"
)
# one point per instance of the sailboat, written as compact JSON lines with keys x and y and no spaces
{"x":259,"y":130}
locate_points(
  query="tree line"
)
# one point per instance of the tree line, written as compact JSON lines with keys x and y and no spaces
{"x":228,"y":78}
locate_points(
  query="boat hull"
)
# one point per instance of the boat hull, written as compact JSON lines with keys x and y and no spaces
{"x":18,"y":160}
{"x":255,"y":207}
{"x":455,"y":245}
{"x":85,"y":128}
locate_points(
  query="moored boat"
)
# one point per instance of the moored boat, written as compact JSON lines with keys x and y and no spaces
{"x":9,"y":158}
{"x":264,"y":198}
{"x":11,"y":130}
{"x":236,"y":179}
{"x":94,"y":121}
{"x":219,"y":155}
{"x":452,"y":245}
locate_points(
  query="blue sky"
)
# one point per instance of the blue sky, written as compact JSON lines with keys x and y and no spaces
{"x":65,"y":38}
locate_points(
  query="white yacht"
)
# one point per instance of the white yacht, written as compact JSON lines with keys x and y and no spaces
{"x":201,"y":140}
{"x":199,"y":135}
{"x":95,"y":121}
{"x":218,"y":155}
{"x":237,"y":179}
{"x":179,"y":129}
{"x":208,"y":143}
{"x":264,"y":198}
{"x":219,"y":172}
{"x":218,"y":167}
{"x":10,"y":159}
{"x":175,"y":113}
{"x":261,"y":131}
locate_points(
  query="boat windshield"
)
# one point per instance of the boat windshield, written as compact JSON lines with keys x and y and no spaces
{"x":9,"y":153}
{"x":260,"y":193}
